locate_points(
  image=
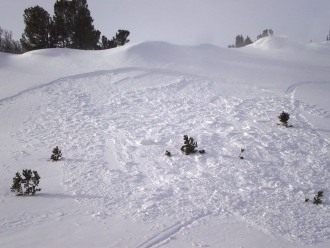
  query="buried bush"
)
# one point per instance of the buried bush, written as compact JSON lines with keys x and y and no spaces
{"x":29,"y":181}
{"x":57,"y":154}
{"x":284,"y":117}
{"x":167,"y":153}
{"x":240,"y":155}
{"x":317,"y":198}
{"x":189,"y":146}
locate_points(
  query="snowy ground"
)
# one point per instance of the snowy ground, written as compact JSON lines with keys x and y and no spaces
{"x":114,"y":113}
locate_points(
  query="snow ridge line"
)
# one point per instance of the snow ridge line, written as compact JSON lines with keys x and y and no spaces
{"x":168,"y":232}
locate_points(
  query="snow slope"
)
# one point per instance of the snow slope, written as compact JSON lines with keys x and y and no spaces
{"x":114,"y":113}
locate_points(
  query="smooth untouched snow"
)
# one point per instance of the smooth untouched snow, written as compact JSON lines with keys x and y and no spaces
{"x":114,"y":113}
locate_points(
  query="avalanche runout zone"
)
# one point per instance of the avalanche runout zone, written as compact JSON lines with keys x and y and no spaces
{"x":267,"y":188}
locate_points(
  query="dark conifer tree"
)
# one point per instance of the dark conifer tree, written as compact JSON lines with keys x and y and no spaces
{"x":284,"y":118}
{"x":247,"y":41}
{"x":121,"y":37}
{"x":119,"y":40}
{"x":265,"y":33}
{"x":84,"y":36}
{"x":63,"y":20}
{"x":38,"y":29}
{"x":107,"y":44}
{"x":71,"y":26}
{"x":30,"y":181}
{"x":17,"y":184}
{"x":189,"y":145}
{"x":57,"y":154}
{"x":239,"y":41}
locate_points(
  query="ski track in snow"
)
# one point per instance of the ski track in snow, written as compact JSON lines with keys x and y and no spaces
{"x":82,"y":114}
{"x":312,"y":109}
{"x":165,"y":236}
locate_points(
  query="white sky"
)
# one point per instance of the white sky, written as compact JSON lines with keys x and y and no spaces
{"x":192,"y":22}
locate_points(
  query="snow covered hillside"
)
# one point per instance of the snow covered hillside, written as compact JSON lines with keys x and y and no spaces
{"x":114,"y":113}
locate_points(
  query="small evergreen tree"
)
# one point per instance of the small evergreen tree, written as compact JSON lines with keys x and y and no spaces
{"x":30,"y":182}
{"x":284,"y":117}
{"x":57,"y":154}
{"x":189,"y":145}
{"x":17,"y":184}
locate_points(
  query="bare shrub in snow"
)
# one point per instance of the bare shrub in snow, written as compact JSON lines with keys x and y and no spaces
{"x":7,"y":44}
{"x":317,"y":198}
{"x":240,"y":155}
